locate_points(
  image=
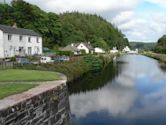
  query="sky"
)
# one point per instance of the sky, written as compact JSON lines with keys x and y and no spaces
{"x":139,"y":20}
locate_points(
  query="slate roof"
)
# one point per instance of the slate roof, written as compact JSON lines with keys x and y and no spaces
{"x":20,"y":31}
{"x":70,"y":48}
{"x":89,"y":46}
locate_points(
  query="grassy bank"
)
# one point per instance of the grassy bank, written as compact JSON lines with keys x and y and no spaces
{"x":11,"y":89}
{"x":17,"y":76}
{"x":160,"y":57}
{"x":77,"y":68}
{"x":13,"y":75}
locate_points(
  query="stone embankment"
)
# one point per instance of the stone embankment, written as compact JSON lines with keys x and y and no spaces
{"x":46,"y":104}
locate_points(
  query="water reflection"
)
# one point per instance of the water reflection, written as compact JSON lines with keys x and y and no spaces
{"x":94,"y":80}
{"x":137,"y":96}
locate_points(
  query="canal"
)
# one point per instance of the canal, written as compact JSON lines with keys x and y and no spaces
{"x":129,"y":92}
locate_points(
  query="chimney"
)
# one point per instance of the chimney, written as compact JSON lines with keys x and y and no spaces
{"x":15,"y":25}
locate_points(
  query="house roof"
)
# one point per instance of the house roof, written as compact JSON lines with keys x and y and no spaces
{"x":70,"y":48}
{"x":73,"y":47}
{"x":21,"y":31}
{"x":88,"y":45}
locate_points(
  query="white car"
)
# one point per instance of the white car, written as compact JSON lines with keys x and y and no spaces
{"x":46,"y":59}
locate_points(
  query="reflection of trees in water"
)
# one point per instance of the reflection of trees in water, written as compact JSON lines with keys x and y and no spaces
{"x":163,"y":67}
{"x":94,"y":80}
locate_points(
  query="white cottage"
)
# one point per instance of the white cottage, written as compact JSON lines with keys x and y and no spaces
{"x":126,"y":49}
{"x":77,"y":47}
{"x":99,"y":50}
{"x":17,"y":41}
{"x":114,"y":50}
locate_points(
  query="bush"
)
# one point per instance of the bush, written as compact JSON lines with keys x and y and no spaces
{"x":66,"y":53}
{"x":94,"y":62}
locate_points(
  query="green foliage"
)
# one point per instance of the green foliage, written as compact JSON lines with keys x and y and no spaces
{"x":66,"y":53}
{"x":160,"y":57}
{"x":63,"y":29}
{"x":93,"y":80}
{"x":30,"y":16}
{"x":161,"y":45}
{"x":100,"y":42}
{"x":93,"y":62}
{"x":83,"y":52}
{"x":142,"y":46}
{"x":72,"y":70}
{"x":85,"y":27}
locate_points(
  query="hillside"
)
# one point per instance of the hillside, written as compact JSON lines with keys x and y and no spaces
{"x":85,"y":27}
{"x":142,"y":45}
{"x":161,"y":45}
{"x":60,"y":30}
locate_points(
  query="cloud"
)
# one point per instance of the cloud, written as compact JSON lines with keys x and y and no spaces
{"x":123,"y":17}
{"x":161,"y":3}
{"x":84,"y":6}
{"x":137,"y":24}
{"x":115,"y":99}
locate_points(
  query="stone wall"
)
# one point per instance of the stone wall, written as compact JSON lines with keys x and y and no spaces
{"x":47,"y":104}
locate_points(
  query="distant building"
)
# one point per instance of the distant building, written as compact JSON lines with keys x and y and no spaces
{"x":126,"y":49}
{"x":72,"y":48}
{"x":114,"y":50}
{"x":76,"y":48}
{"x":99,"y":50}
{"x":17,"y":41}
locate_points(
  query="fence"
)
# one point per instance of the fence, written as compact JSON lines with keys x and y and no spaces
{"x":6,"y":65}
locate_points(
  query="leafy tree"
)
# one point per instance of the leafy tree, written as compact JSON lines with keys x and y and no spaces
{"x":161,"y":45}
{"x":63,"y":29}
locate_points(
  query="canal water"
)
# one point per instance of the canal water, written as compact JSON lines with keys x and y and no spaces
{"x":129,"y":92}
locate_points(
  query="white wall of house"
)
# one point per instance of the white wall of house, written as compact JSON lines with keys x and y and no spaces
{"x":19,"y":46}
{"x":34,"y":44}
{"x":83,"y":47}
{"x":99,"y":50}
{"x":114,"y":50}
{"x":1,"y":45}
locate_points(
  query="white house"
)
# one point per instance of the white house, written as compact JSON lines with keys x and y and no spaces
{"x":126,"y":49}
{"x":99,"y":50}
{"x":77,"y":47}
{"x":17,"y":41}
{"x":114,"y":50}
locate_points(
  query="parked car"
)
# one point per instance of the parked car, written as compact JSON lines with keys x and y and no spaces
{"x":46,"y":59}
{"x":61,"y":58}
{"x":22,"y":60}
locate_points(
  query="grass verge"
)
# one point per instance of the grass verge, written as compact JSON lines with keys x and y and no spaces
{"x":11,"y":89}
{"x":15,"y":75}
{"x":160,"y":57}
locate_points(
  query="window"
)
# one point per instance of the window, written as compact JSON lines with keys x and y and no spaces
{"x":29,"y":50}
{"x":21,"y":49}
{"x":21,"y":38}
{"x":29,"y":39}
{"x":11,"y":47}
{"x":9,"y":37}
{"x":37,"y":39}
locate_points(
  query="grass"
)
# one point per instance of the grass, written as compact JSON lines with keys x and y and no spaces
{"x":160,"y":57}
{"x":11,"y":89}
{"x":15,"y":75}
